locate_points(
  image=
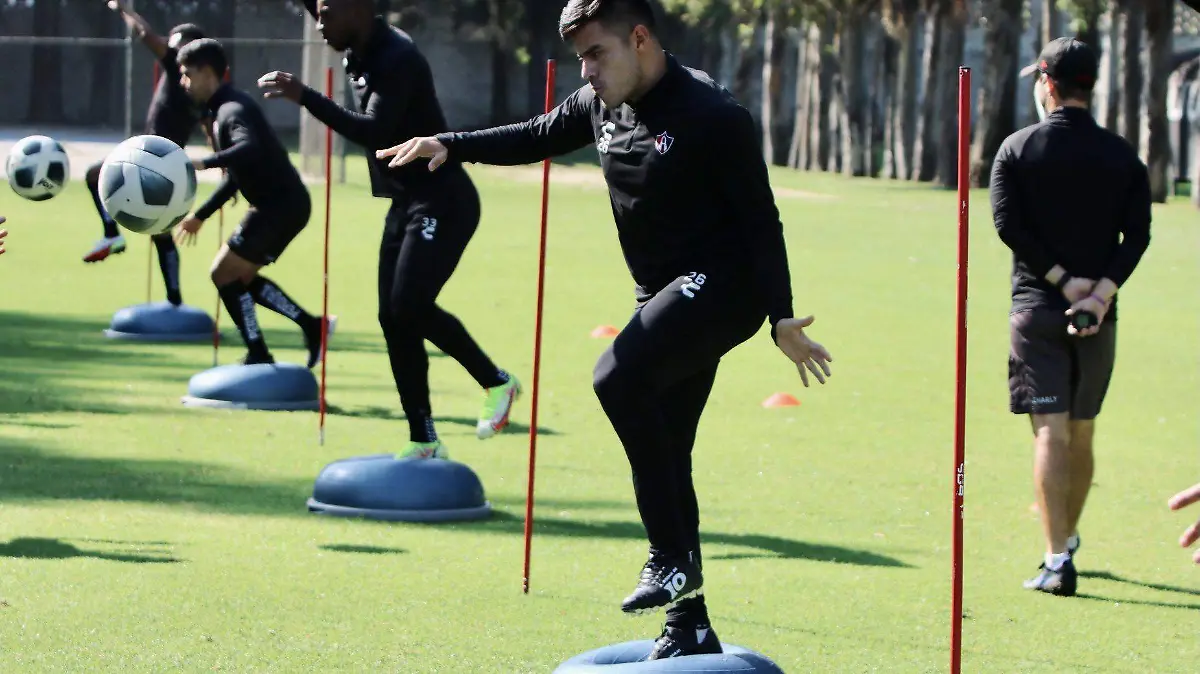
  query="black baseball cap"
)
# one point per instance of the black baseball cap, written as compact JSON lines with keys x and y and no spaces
{"x":1068,"y":61}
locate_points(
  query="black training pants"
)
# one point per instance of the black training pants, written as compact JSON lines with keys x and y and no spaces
{"x":653,"y":383}
{"x":420,"y":250}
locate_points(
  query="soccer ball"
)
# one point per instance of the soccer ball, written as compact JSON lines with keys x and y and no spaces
{"x":147,"y":184}
{"x":37,"y":168}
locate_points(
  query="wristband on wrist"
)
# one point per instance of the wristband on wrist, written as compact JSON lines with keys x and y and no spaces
{"x":1063,"y":281}
{"x":1099,"y":299}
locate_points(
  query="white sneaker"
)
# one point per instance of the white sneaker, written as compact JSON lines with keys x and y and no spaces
{"x":105,"y":247}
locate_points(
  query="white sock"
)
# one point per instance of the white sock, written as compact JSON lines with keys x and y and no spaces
{"x":1072,"y":541}
{"x":1055,"y":561}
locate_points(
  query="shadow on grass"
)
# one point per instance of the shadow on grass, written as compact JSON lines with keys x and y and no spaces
{"x":53,"y":548}
{"x":1106,"y":575}
{"x":362,"y":549}
{"x":30,"y":473}
{"x":1138,"y":602}
{"x":49,"y":361}
{"x":786,"y":548}
{"x":388,"y":413}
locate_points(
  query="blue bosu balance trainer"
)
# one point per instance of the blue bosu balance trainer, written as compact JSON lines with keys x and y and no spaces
{"x":264,"y":386}
{"x":630,"y":658}
{"x":161,"y":322}
{"x":384,"y":487}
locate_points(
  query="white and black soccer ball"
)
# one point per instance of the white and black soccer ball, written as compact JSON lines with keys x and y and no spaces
{"x":147,"y":184}
{"x":38,"y":168}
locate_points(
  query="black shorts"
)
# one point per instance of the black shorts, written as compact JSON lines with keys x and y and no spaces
{"x":265,"y":233}
{"x":1052,"y":372}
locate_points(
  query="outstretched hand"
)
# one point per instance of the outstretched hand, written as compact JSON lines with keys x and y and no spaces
{"x":1192,"y":533}
{"x":804,"y":352}
{"x":278,"y":84}
{"x":415,"y":147}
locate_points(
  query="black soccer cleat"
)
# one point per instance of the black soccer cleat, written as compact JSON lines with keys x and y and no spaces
{"x":1061,"y":582}
{"x":675,"y":642}
{"x":312,"y":339}
{"x":664,"y":581}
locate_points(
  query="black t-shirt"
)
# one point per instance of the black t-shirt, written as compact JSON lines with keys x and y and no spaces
{"x":172,"y":114}
{"x":1067,"y":191}
{"x":256,"y":162}
{"x":687,"y":182}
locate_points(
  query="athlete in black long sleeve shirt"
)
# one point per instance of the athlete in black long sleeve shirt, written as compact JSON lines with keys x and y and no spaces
{"x":430,"y":222}
{"x":1072,"y":201}
{"x":702,"y":238}
{"x":171,"y":115}
{"x":257,"y":165}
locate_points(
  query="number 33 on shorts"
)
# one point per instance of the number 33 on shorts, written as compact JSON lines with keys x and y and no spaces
{"x":428,"y":227}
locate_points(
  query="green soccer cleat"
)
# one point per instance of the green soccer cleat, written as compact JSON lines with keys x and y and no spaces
{"x":497,"y":404}
{"x":425,"y":450}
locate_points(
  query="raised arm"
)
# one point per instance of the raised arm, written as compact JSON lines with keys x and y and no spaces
{"x":564,"y":129}
{"x":746,"y":187}
{"x":141,"y":28}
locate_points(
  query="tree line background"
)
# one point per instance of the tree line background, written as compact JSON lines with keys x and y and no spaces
{"x":858,"y":87}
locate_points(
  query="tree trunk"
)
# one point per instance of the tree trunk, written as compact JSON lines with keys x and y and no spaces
{"x":1088,"y":22}
{"x":1160,"y":24}
{"x":46,"y":84}
{"x":825,"y":81}
{"x":997,"y":95}
{"x":774,"y":52}
{"x":799,"y":156}
{"x":853,"y":94}
{"x":905,"y":95}
{"x":798,"y":149}
{"x":1112,"y":70}
{"x":1133,"y":21}
{"x":887,"y":86}
{"x":951,"y":50}
{"x":925,"y":150}
{"x":1051,"y":22}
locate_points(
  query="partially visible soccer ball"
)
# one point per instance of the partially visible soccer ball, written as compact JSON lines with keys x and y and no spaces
{"x":147,"y":184}
{"x":38,"y":168}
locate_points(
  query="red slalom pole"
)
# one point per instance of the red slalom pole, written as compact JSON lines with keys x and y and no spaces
{"x":217,"y":312}
{"x":960,"y":361}
{"x":537,"y":339}
{"x":325,"y":292}
{"x":150,"y":250}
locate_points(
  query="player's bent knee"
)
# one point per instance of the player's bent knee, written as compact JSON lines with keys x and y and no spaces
{"x":93,"y":175}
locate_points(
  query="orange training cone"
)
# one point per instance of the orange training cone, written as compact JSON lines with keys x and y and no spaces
{"x":605,"y":332}
{"x":781,"y":400}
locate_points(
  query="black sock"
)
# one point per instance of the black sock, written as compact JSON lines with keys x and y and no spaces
{"x":271,"y":296}
{"x":689,"y":613}
{"x":110,"y":226}
{"x":168,"y":263}
{"x":240,"y":305}
{"x":420,"y":429}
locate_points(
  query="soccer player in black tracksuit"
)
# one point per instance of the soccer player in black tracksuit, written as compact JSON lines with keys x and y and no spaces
{"x":701,"y":235}
{"x":431,"y":219}
{"x":1072,"y":201}
{"x":258,"y":166}
{"x":172,"y":116}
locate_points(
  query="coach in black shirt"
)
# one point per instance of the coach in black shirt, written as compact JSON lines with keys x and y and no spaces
{"x":701,"y":235}
{"x":1072,"y":201}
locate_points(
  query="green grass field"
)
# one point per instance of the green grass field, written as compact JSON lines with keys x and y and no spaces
{"x":140,"y":536}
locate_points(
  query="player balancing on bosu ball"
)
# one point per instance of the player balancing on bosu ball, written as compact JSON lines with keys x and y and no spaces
{"x":257,"y":165}
{"x":431,"y":220}
{"x":697,"y":222}
{"x":172,"y":116}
